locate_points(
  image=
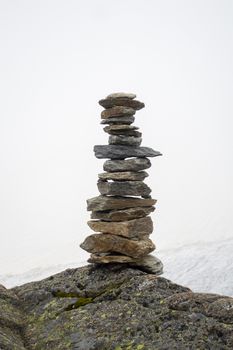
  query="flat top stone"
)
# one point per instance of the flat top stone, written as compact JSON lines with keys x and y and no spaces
{"x":122,"y":94}
{"x":122,"y":152}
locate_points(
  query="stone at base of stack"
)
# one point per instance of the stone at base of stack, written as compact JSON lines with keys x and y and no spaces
{"x":119,"y":216}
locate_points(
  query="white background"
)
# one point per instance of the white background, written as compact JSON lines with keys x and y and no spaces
{"x":58,"y":58}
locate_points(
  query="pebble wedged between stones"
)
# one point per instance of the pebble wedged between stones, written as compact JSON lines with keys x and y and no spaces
{"x":122,"y":214}
{"x":122,"y":152}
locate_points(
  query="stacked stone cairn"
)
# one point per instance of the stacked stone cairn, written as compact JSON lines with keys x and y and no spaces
{"x":120,"y":214}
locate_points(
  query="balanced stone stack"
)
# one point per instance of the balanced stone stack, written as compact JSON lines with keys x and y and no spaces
{"x":120,"y":214}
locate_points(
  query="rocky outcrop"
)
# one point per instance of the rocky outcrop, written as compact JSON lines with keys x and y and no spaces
{"x":112,"y":307}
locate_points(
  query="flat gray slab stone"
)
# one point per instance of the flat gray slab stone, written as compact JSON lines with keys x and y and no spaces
{"x":121,"y":101}
{"x":122,"y":94}
{"x":149,"y":263}
{"x":124,"y":175}
{"x":117,"y":111}
{"x":134,"y":164}
{"x":137,"y":228}
{"x":118,"y":120}
{"x":108,"y":243}
{"x":122,"y":214}
{"x":122,"y":152}
{"x":124,"y":188}
{"x":108,"y":202}
{"x":124,"y":140}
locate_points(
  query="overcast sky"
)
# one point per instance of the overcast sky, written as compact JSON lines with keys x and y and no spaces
{"x":58,"y":58}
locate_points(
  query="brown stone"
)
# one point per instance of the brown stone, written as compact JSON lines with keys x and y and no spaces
{"x":124,"y":188}
{"x":138,"y":228}
{"x":118,"y":111}
{"x":133,"y":164}
{"x":123,"y":101}
{"x":149,"y":263}
{"x":107,"y":203}
{"x":108,"y":243}
{"x":123,"y":214}
{"x":124,"y":175}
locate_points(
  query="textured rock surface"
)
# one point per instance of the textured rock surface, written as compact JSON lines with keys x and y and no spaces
{"x":122,"y":215}
{"x":149,"y":263}
{"x":120,"y":120}
{"x":118,"y":111}
{"x":108,"y":203}
{"x":121,"y":175}
{"x":123,"y":129}
{"x":126,"y":102}
{"x":122,"y":152}
{"x":121,"y":94}
{"x":137,"y":228}
{"x":134,"y":164}
{"x":108,"y":243}
{"x":125,"y":188}
{"x":124,"y":140}
{"x":114,"y":307}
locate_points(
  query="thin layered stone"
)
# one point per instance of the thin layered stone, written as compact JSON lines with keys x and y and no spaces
{"x":127,"y":130}
{"x":122,"y":94}
{"x":118,"y":121}
{"x":123,"y":214}
{"x":122,"y":152}
{"x":109,"y":202}
{"x":124,"y":176}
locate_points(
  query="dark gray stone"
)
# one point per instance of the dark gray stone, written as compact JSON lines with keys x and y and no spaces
{"x":118,"y":121}
{"x":124,"y":188}
{"x":122,"y":152}
{"x":126,"y":102}
{"x":123,"y":129}
{"x":134,"y":164}
{"x":122,"y":214}
{"x":108,"y":203}
{"x":124,"y":140}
